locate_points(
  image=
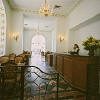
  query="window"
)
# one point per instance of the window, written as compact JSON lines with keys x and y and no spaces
{"x":38,"y":44}
{"x":2,"y":29}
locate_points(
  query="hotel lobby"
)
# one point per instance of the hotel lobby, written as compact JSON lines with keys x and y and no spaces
{"x":49,"y":50}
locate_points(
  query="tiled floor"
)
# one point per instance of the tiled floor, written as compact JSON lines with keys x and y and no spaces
{"x":39,"y":61}
{"x":66,"y":92}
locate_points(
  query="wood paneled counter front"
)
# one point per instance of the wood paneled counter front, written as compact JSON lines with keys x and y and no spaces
{"x":74,"y":68}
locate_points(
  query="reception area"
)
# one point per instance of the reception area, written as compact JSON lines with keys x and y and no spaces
{"x":49,"y":50}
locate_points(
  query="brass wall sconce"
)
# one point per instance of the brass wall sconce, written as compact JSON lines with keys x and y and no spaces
{"x":15,"y":36}
{"x":61,"y":38}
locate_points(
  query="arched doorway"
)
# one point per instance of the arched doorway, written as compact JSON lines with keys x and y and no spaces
{"x":38,"y":44}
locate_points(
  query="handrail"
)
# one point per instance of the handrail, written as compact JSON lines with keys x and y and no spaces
{"x":23,"y":71}
{"x":25,"y":66}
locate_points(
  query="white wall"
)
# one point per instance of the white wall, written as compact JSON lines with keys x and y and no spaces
{"x":8,"y":25}
{"x":29,"y":34}
{"x":54,"y":40}
{"x":86,"y":10}
{"x":60,"y":31}
{"x":17,"y":23}
{"x":92,"y":29}
{"x":14,"y":24}
{"x":84,"y":21}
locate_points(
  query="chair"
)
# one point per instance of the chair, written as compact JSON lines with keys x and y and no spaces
{"x":26,"y":59}
{"x":11,"y":83}
{"x":12,"y":57}
{"x":10,"y":73}
{"x":46,"y":53}
{"x":4,"y":59}
{"x":42,"y":53}
{"x":19,"y":59}
{"x":22,"y":55}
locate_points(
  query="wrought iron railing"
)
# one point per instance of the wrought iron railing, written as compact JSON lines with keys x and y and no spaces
{"x":27,"y":83}
{"x":31,"y":83}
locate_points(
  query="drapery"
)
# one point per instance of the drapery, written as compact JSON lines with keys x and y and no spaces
{"x":2,"y":29}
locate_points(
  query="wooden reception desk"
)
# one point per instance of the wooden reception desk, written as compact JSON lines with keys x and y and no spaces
{"x":74,"y":68}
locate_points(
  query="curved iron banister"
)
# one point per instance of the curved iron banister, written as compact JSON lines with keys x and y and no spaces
{"x":53,"y":76}
{"x":29,"y":77}
{"x":25,"y":66}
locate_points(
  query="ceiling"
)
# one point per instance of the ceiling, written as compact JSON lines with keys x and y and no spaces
{"x":34,"y":5}
{"x":33,"y":22}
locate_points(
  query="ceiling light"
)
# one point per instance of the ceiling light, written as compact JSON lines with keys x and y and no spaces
{"x":38,"y":30}
{"x":1,"y":8}
{"x":45,"y":10}
{"x":57,"y":6}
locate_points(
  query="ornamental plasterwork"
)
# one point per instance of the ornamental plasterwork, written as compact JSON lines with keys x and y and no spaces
{"x":29,"y":11}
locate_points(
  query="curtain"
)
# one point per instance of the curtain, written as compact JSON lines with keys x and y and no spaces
{"x":2,"y":30}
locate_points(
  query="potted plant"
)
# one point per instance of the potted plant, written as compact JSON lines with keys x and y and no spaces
{"x":91,"y":44}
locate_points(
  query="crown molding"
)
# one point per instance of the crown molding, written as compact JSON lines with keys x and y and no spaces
{"x":34,"y":30}
{"x":74,"y":7}
{"x":29,"y":11}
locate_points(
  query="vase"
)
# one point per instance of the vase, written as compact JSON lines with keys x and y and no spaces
{"x":91,"y":52}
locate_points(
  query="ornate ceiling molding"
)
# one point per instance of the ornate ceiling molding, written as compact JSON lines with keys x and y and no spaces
{"x":34,"y":30}
{"x":34,"y":12}
{"x":29,"y":11}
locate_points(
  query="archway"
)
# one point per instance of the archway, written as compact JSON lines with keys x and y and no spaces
{"x":38,"y":44}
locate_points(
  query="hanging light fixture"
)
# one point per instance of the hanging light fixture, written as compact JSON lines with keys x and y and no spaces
{"x":45,"y":10}
{"x":38,"y":30}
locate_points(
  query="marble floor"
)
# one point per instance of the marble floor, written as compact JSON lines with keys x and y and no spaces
{"x":41,"y":82}
{"x":66,"y":92}
{"x":39,"y":61}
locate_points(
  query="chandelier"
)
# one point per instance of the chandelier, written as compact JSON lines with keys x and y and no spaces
{"x":38,"y":30}
{"x":45,"y":10}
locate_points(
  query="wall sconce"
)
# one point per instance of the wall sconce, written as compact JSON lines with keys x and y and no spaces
{"x":61,"y":38}
{"x":15,"y":36}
